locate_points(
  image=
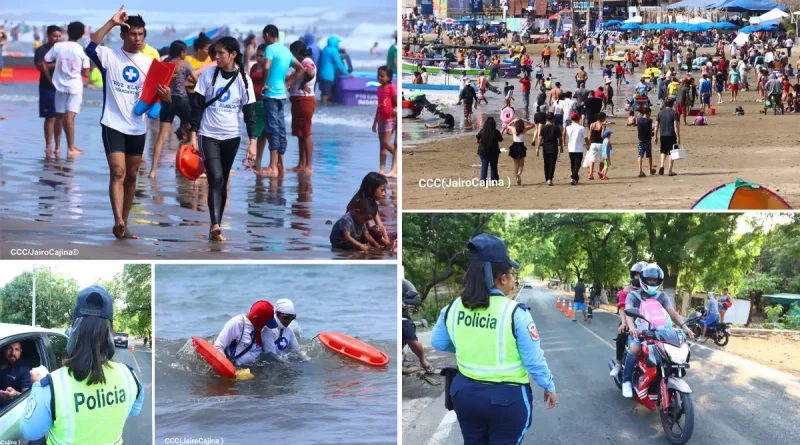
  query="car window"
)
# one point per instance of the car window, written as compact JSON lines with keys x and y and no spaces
{"x":58,"y":344}
{"x":29,"y":358}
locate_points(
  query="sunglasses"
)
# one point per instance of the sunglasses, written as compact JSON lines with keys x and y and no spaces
{"x":287,"y":316}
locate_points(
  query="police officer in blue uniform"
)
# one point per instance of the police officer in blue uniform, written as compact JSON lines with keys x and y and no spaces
{"x":497,"y":348}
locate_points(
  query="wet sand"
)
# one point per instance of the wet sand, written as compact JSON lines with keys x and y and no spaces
{"x":753,"y":147}
{"x":64,"y":204}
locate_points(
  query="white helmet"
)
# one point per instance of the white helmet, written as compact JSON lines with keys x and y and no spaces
{"x":651,"y":272}
{"x":636,"y":270}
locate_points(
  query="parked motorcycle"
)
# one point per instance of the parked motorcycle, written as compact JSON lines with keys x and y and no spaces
{"x":719,"y":332}
{"x":658,"y":381}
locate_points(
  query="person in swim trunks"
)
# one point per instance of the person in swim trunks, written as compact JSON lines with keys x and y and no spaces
{"x":123,"y":132}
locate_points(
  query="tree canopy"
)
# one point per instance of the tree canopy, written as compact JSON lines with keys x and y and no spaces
{"x":697,"y":251}
{"x":55,"y":299}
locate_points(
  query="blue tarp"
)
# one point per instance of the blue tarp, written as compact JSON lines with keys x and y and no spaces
{"x":630,"y":26}
{"x":759,"y":28}
{"x":749,"y":5}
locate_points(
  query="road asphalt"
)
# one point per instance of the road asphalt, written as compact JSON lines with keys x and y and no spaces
{"x":736,"y":401}
{"x":139,"y":429}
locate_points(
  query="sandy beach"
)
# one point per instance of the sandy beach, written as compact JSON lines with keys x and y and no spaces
{"x":755,"y":147}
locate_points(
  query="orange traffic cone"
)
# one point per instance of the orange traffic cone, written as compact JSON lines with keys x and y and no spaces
{"x":564,"y":306}
{"x":558,"y":302}
{"x":569,"y":311}
{"x":133,"y":349}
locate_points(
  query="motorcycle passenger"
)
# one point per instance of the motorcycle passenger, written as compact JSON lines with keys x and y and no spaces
{"x":651,"y":303}
{"x":622,"y":330}
{"x":497,"y":349}
{"x":725,"y":302}
{"x":711,"y":316}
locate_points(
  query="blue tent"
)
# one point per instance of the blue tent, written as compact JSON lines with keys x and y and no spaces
{"x":630,"y":26}
{"x":612,"y":22}
{"x":748,"y":5}
{"x":759,"y":28}
{"x":650,"y":26}
{"x":724,"y":25}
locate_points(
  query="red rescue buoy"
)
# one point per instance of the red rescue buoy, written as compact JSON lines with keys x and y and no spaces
{"x":189,"y":163}
{"x":214,"y":358}
{"x":354,"y":349}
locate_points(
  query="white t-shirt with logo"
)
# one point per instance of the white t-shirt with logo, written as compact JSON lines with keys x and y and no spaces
{"x":576,"y":133}
{"x":221,"y":119}
{"x":70,"y":60}
{"x":123,"y":79}
{"x":277,"y":342}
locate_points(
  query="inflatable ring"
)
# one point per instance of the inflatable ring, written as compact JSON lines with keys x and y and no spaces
{"x":507,"y":115}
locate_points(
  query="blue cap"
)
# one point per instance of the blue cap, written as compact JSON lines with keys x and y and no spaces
{"x":94,"y":301}
{"x":485,"y":247}
{"x":607,"y":133}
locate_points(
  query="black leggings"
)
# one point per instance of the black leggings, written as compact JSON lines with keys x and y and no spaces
{"x":622,"y":341}
{"x":219,"y":156}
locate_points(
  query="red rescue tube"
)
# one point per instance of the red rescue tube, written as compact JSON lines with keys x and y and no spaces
{"x":214,"y":358}
{"x":354,"y":349}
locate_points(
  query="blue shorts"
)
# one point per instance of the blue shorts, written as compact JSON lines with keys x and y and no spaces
{"x":705,"y":99}
{"x":709,"y":320}
{"x":275,"y":124}
{"x":47,"y":103}
{"x":579,"y":306}
{"x":646,"y":149}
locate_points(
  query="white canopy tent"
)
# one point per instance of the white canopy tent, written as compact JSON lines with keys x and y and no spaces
{"x":769,"y":18}
{"x":634,"y":19}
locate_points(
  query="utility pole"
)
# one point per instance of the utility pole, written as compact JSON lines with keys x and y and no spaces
{"x":33,"y":314}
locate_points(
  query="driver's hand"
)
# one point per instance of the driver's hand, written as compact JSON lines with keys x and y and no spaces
{"x":621,"y":329}
{"x":689,"y":333}
{"x":634,"y":332}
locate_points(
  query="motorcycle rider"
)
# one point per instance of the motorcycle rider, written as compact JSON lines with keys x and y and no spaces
{"x":651,"y":279}
{"x":622,"y":330}
{"x":711,"y":316}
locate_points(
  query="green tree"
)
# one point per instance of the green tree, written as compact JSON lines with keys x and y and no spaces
{"x":55,"y":299}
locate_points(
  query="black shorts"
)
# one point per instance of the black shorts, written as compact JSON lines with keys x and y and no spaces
{"x":667,"y":144}
{"x":409,"y":331}
{"x":179,"y":106}
{"x":116,"y":142}
{"x":326,"y":87}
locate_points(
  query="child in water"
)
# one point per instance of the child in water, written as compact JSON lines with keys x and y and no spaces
{"x":350,"y":231}
{"x":606,"y":153}
{"x":447,"y":122}
{"x":385,"y":117}
{"x":373,"y":188}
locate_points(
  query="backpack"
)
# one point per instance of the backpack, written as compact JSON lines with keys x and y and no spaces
{"x":652,"y":310}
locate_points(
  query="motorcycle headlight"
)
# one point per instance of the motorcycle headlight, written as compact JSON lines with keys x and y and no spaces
{"x":678,"y":355}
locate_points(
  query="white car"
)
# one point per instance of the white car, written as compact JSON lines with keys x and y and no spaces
{"x":40,"y":347}
{"x":527,"y":283}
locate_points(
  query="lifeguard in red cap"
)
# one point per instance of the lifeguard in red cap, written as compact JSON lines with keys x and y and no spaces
{"x":240,"y":338}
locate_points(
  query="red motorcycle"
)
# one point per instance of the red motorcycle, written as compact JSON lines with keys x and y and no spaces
{"x":658,"y":379}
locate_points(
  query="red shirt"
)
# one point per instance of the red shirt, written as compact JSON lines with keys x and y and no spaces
{"x":786,"y":86}
{"x":387,"y":101}
{"x":723,"y":66}
{"x":618,"y":70}
{"x":257,"y":75}
{"x":526,"y":85}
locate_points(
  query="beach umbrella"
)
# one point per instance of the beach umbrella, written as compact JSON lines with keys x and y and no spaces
{"x":741,"y":195}
{"x":613,"y":22}
{"x":650,"y":26}
{"x":630,"y":27}
{"x":448,"y":21}
{"x":696,"y":28}
{"x":725,"y":25}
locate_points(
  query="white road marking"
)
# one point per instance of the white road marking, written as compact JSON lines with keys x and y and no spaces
{"x":443,"y":430}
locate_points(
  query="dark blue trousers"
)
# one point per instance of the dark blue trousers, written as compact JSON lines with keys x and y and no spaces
{"x":491,"y":414}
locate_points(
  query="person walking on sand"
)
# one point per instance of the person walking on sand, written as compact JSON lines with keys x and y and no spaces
{"x":578,"y":141}
{"x":517,"y":151}
{"x":550,"y":141}
{"x":644,"y":128}
{"x":668,"y":128}
{"x":71,"y":63}
{"x":123,"y":132}
{"x":47,"y":93}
